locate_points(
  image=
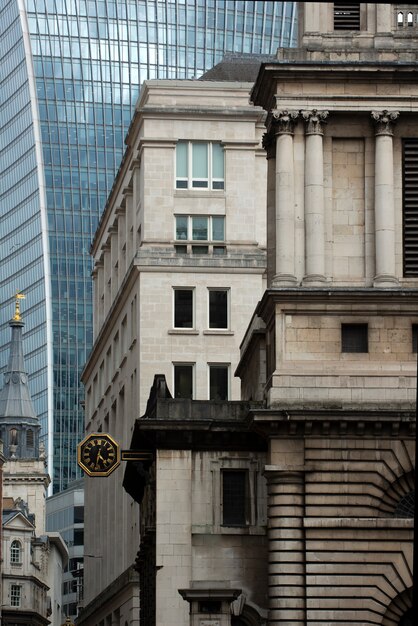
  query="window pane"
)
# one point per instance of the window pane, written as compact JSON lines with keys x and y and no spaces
{"x":218,"y":382}
{"x":200,"y":229}
{"x":218,"y":309}
{"x":183,"y":308}
{"x":217,"y":160}
{"x":181,"y":159}
{"x":181,"y":227}
{"x":218,"y":228}
{"x":234,"y":497}
{"x":183,"y":381}
{"x":200,"y":160}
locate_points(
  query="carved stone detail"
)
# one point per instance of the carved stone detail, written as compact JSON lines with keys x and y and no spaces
{"x":384,"y":121}
{"x":284,"y":121}
{"x":314,"y":121}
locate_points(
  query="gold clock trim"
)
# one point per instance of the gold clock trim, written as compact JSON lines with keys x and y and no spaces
{"x":97,"y":439}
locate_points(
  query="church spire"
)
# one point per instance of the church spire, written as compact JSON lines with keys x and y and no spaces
{"x":19,"y":425}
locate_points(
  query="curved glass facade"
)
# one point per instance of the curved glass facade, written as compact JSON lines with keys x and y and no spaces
{"x":80,"y":73}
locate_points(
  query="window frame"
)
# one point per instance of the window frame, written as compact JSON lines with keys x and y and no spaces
{"x":227,"y":367}
{"x":226,"y":290}
{"x":193,"y":307}
{"x":190,"y":364}
{"x":191,"y":182}
{"x":246,"y":504}
{"x":16,"y":552}
{"x":15,"y":598}
{"x":187,"y":245}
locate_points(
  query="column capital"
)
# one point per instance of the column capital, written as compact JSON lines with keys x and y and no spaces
{"x":284,"y":121}
{"x":384,"y":121}
{"x":314,"y":120}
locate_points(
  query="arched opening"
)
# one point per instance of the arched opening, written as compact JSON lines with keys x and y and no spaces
{"x":16,"y":552}
{"x":406,"y":506}
{"x":400,"y":18}
{"x":406,"y":620}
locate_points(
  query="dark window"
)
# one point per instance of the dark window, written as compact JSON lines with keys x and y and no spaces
{"x":183,"y":381}
{"x":234,"y":497}
{"x":354,"y":338}
{"x":346,"y":15}
{"x":210,"y":606}
{"x":78,"y":537}
{"x":410,"y":207}
{"x":78,"y":514}
{"x":183,"y":308}
{"x":415,"y":338}
{"x":218,"y":382}
{"x":218,"y":308}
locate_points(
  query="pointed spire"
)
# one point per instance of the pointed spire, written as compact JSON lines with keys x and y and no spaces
{"x":19,"y":425}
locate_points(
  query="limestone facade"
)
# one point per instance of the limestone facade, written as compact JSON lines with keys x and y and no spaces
{"x":140,"y":260}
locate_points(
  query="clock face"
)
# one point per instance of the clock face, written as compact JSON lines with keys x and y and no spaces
{"x":98,"y":454}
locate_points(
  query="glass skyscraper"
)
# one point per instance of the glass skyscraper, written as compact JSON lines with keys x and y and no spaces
{"x":70,"y":73}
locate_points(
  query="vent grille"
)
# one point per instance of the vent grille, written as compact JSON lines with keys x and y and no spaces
{"x":346,"y":15}
{"x":410,"y":207}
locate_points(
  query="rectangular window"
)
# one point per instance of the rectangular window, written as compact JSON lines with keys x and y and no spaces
{"x":15,"y":595}
{"x":218,"y":308}
{"x":183,"y":380}
{"x":183,"y":308}
{"x":346,"y":15}
{"x":354,"y":338}
{"x":218,"y":382}
{"x":415,"y":338}
{"x":199,"y":165}
{"x":410,"y":207}
{"x":201,"y":234}
{"x":235,"y":498}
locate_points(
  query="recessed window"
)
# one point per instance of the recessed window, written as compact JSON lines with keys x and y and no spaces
{"x":354,"y":338}
{"x":199,"y":165}
{"x":218,"y":308}
{"x":30,"y":439}
{"x":218,"y":382}
{"x":183,"y":380}
{"x":183,"y":308}
{"x":200,"y":228}
{"x":16,"y":552}
{"x":415,"y":338}
{"x":235,"y":498}
{"x":15,"y":595}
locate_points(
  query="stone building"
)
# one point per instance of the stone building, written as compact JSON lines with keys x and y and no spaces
{"x":328,"y":363}
{"x":32,"y":559}
{"x":179,"y":266}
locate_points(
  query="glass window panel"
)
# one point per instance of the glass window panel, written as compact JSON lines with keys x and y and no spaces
{"x":181,"y":227}
{"x":218,"y":160}
{"x":200,"y":229}
{"x":218,"y":382}
{"x":200,"y":160}
{"x":183,"y":308}
{"x":183,"y":381}
{"x":218,"y":308}
{"x":181,"y":159}
{"x":218,"y":228}
{"x":234,"y":497}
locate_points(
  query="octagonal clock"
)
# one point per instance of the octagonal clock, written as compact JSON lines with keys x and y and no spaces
{"x":98,"y":454}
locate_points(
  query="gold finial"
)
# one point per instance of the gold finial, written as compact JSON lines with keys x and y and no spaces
{"x":19,"y":296}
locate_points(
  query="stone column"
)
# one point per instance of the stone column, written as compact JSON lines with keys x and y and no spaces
{"x":286,"y":566}
{"x":284,"y":122}
{"x":384,"y":208}
{"x":314,"y":197}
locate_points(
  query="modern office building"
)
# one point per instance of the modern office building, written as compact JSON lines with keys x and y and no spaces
{"x":69,"y":77}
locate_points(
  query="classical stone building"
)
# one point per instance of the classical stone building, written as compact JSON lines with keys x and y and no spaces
{"x":328,"y":363}
{"x":32,"y":559}
{"x":179,"y":266}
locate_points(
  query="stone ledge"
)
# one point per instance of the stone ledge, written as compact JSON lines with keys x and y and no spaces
{"x":382,"y":523}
